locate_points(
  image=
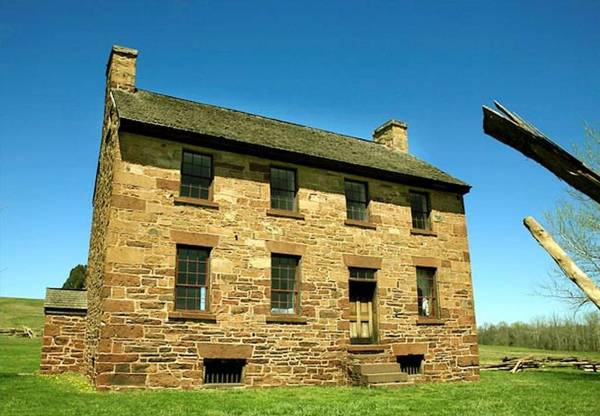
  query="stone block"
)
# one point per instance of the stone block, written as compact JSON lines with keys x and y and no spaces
{"x":128,"y":202}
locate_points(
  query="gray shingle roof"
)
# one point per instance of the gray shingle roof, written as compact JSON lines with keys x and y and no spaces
{"x":65,"y":299}
{"x":160,"y":110}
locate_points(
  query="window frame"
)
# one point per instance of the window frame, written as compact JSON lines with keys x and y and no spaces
{"x":434,"y":298}
{"x":367,"y":200}
{"x":211,"y":178}
{"x":207,"y":285}
{"x":295,"y":292}
{"x":427,"y":197}
{"x":295,"y":190}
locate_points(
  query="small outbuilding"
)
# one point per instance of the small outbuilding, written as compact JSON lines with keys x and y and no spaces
{"x":63,"y":346}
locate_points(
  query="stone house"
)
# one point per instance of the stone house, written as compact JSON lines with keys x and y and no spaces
{"x":233,"y":249}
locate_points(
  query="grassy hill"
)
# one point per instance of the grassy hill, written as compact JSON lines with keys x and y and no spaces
{"x":16,"y":313}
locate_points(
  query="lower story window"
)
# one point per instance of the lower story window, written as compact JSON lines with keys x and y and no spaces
{"x":426,"y":292}
{"x":191,"y":286}
{"x":284,"y":285}
{"x":220,"y":371}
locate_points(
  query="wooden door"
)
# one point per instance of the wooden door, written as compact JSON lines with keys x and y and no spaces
{"x":361,"y":321}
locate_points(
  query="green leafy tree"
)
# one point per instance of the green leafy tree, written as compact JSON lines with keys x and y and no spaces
{"x":575,"y":225}
{"x":76,"y":279}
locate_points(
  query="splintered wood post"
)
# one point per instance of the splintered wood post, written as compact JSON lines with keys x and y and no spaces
{"x":512,"y":130}
{"x":563,"y":260}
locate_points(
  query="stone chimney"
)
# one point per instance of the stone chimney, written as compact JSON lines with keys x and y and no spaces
{"x":120,"y":69}
{"x":393,"y":135}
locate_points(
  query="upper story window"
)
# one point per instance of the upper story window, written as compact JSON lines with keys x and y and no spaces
{"x":284,"y":284}
{"x":356,"y":200}
{"x":283,"y":189}
{"x":426,"y":292}
{"x":420,"y":210}
{"x":196,"y":175}
{"x":191,"y":286}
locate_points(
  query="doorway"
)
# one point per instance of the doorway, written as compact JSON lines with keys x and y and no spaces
{"x":363,"y":326}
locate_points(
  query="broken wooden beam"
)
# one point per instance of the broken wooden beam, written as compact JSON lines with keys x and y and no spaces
{"x":568,"y":266}
{"x":510,"y":129}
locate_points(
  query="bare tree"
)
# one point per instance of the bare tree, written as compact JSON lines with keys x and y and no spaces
{"x":575,"y":224}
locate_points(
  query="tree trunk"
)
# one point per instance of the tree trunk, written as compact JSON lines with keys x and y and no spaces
{"x":561,"y":258}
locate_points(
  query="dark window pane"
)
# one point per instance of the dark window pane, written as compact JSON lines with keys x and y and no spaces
{"x":362,"y":274}
{"x":356,"y":191}
{"x":356,"y":200}
{"x":419,"y":209}
{"x":196,"y":175}
{"x":283,"y":189}
{"x":356,"y":211}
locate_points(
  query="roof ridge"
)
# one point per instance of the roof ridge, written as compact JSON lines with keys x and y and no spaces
{"x":260,"y":116}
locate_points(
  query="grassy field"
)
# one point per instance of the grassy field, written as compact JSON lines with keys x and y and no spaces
{"x":540,"y":392}
{"x":16,"y":313}
{"x":22,"y":392}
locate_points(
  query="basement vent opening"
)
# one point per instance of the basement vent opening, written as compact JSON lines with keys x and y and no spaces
{"x":219,"y":371}
{"x":411,"y":364}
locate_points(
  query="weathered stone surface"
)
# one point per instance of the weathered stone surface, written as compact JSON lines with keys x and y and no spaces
{"x":128,"y":202}
{"x":409,"y":349}
{"x":367,"y":262}
{"x":285,"y":248}
{"x":63,"y":344}
{"x":195,"y":239}
{"x":215,"y":350}
{"x":122,"y":331}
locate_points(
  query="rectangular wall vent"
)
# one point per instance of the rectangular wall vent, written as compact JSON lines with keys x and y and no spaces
{"x":411,"y":364}
{"x":219,"y":371}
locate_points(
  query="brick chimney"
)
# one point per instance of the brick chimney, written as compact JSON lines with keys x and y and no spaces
{"x":120,"y":69}
{"x":393,"y":135}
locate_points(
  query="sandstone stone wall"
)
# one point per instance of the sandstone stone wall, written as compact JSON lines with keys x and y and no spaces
{"x":142,"y":342}
{"x":63,"y":344}
{"x":109,"y":152}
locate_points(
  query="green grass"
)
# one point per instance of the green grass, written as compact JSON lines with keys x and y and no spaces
{"x":16,"y":313}
{"x":556,"y":392}
{"x":19,"y":355}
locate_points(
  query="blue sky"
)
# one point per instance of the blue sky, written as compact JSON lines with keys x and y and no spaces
{"x":343,"y":66}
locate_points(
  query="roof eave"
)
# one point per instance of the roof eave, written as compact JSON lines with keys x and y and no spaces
{"x":224,"y":143}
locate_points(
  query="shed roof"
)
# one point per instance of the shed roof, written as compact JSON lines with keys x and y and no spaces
{"x":149,"y":109}
{"x":65,"y":299}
